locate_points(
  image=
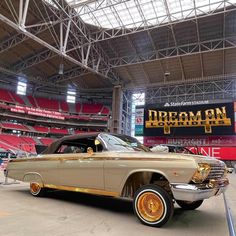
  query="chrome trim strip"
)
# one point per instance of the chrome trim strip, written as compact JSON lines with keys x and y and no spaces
{"x":91,"y":157}
{"x":82,"y":190}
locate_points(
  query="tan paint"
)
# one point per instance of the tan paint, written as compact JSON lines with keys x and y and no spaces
{"x":105,"y":171}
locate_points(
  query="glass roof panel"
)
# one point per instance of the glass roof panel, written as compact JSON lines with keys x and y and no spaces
{"x":203,"y":5}
{"x":148,"y":11}
{"x":107,"y":17}
{"x":187,"y":5}
{"x":174,"y":6}
{"x":135,"y":13}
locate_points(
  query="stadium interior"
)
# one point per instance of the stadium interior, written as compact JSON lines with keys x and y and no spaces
{"x":107,"y":56}
{"x":161,"y":71}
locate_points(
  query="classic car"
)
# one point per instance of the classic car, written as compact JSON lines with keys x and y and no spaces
{"x":119,"y":166}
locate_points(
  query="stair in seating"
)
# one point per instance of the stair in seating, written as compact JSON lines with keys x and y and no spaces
{"x":71,"y":107}
{"x":37,"y":140}
{"x":30,"y":128}
{"x":26,"y":100}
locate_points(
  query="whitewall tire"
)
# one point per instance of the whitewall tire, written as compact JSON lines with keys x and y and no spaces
{"x":36,"y":190}
{"x":153,"y":205}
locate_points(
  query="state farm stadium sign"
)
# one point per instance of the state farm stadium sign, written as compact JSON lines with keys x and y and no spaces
{"x":38,"y":112}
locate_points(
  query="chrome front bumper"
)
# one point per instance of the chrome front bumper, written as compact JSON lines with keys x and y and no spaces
{"x":193,"y":192}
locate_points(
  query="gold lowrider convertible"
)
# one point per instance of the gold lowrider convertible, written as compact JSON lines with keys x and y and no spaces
{"x":119,"y":166}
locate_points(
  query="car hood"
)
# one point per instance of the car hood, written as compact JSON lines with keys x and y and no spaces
{"x":168,"y":156}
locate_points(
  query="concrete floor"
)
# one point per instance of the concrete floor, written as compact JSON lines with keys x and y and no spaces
{"x":66,"y":213}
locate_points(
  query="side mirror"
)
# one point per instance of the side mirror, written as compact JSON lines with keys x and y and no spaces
{"x":89,"y":150}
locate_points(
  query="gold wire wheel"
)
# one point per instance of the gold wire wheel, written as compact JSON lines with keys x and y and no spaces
{"x":150,"y":206}
{"x":35,"y":188}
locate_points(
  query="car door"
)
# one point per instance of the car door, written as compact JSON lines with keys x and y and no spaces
{"x":81,"y":170}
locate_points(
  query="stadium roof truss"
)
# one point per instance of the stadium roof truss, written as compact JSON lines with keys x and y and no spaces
{"x":214,"y":89}
{"x":108,"y":42}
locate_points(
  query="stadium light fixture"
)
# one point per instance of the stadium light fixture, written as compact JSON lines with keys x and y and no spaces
{"x":71,"y":96}
{"x":21,"y":88}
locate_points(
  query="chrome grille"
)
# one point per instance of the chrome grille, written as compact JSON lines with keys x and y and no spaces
{"x":217,"y":171}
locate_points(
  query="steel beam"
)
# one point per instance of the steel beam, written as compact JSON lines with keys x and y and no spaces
{"x":97,"y":61}
{"x":68,"y":75}
{"x":50,"y":47}
{"x":141,"y":65}
{"x":198,"y":38}
{"x":22,"y":21}
{"x":61,"y":36}
{"x":174,"y":38}
{"x":223,"y":52}
{"x":38,"y":81}
{"x":117,"y":55}
{"x":155,"y":49}
{"x":104,"y":34}
{"x":13,"y":11}
{"x":20,"y":11}
{"x":179,"y":51}
{"x":66,"y":37}
{"x":85,"y":5}
{"x":96,"y":57}
{"x":214,"y":88}
{"x":13,"y":41}
{"x":33,"y":60}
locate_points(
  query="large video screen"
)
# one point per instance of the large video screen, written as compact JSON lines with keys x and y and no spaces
{"x":206,"y":119}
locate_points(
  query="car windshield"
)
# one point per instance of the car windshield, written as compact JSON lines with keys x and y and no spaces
{"x":120,"y":143}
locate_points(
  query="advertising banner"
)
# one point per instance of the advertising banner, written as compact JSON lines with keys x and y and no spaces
{"x":37,"y":112}
{"x":227,"y":140}
{"x":218,"y":147}
{"x":139,"y":115}
{"x":205,"y":119}
{"x":222,"y":153}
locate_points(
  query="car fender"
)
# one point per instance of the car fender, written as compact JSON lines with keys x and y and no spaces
{"x":137,"y":171}
{"x":33,"y":177}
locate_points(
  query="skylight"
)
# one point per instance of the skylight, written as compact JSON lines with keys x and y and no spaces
{"x":140,"y":13}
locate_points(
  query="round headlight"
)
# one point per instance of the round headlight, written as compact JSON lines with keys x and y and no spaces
{"x":201,"y":173}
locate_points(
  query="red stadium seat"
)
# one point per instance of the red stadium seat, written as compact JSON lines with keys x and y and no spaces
{"x":6,"y":146}
{"x":19,"y":142}
{"x":91,"y":108}
{"x":58,"y":131}
{"x":32,"y":101}
{"x":78,"y":107}
{"x":48,"y":103}
{"x":5,"y":96}
{"x":105,"y":111}
{"x":17,"y":98}
{"x":13,"y":126}
{"x":64,"y":106}
{"x":41,"y":129}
